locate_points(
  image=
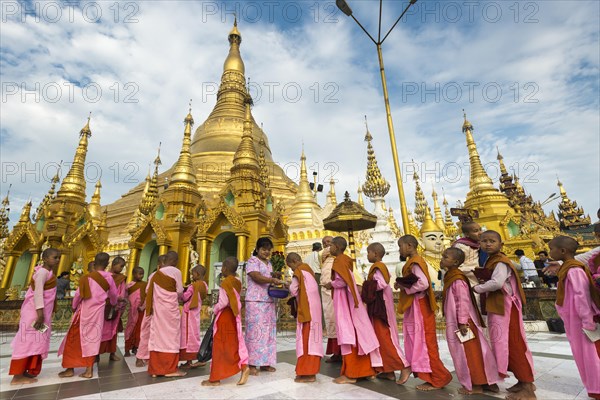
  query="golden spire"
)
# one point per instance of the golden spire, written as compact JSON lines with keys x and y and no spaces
{"x":428,"y":224}
{"x":561,"y":188}
{"x":439,"y":219}
{"x":48,"y":197}
{"x":360,"y":200}
{"x":26,"y":213}
{"x":393,"y":224}
{"x":94,"y":207}
{"x":183,"y":171}
{"x":447,"y":215}
{"x":480,"y":184}
{"x":262,"y":163}
{"x":500,"y":159}
{"x":570,"y":214}
{"x":4,"y":212}
{"x":301,"y":213}
{"x":151,"y":189}
{"x":234,"y":62}
{"x":331,"y":197}
{"x":375,"y":185}
{"x":245,"y":156}
{"x":420,"y":202}
{"x":73,"y":186}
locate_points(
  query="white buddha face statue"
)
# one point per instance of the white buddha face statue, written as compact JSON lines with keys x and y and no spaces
{"x":433,"y":242}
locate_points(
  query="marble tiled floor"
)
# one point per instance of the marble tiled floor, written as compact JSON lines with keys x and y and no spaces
{"x":556,"y":378}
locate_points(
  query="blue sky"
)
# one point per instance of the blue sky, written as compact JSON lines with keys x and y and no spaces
{"x":527,"y":74}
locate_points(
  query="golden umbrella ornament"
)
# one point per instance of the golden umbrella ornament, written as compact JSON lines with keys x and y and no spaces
{"x":349,"y":216}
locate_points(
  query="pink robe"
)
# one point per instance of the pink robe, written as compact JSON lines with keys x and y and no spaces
{"x":28,"y":341}
{"x":135,"y":304}
{"x":353,"y":326}
{"x":91,"y":315}
{"x":165,"y":335}
{"x":498,"y":324}
{"x":217,"y":309}
{"x":190,"y":322}
{"x":315,"y":337}
{"x":578,"y":312}
{"x":413,"y":326}
{"x":109,"y":330}
{"x":390,"y":310}
{"x":142,"y":352}
{"x":458,"y":308}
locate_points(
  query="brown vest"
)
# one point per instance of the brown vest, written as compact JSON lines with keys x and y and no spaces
{"x":457,"y":275}
{"x":405,"y":300}
{"x":303,"y":304}
{"x":494,"y":302}
{"x":231,"y":285}
{"x":562,"y":275}
{"x":162,"y":280}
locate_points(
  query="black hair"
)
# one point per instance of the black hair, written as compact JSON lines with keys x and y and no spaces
{"x":544,"y":252}
{"x":316,"y":246}
{"x":263,"y":242}
{"x":63,"y":274}
{"x":519,"y":253}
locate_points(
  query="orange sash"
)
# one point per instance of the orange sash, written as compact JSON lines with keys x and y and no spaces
{"x":84,"y":284}
{"x":343,"y":266}
{"x":199,"y":290}
{"x":562,"y":275}
{"x":50,"y":283}
{"x":303,"y":305}
{"x":382,"y":268}
{"x":405,"y":300}
{"x":165,"y":282}
{"x":231,"y":284}
{"x":141,"y":286}
{"x":494,"y":301}
{"x":458,"y":275}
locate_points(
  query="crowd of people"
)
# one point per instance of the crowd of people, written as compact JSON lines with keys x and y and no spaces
{"x":359,"y":316}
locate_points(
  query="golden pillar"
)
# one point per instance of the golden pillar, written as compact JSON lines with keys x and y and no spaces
{"x":35,"y":256}
{"x":9,"y":270}
{"x":242,"y":247}
{"x":184,"y":263}
{"x":62,"y":264}
{"x":203,"y":255}
{"x":132,"y":262}
{"x":163,"y":249}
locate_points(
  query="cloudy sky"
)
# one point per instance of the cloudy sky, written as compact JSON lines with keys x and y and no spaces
{"x":527,"y":74}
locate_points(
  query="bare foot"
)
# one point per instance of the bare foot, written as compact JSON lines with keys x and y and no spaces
{"x":176,"y":374}
{"x":253,"y":371}
{"x":370,"y":378}
{"x":22,"y":380}
{"x":114,"y":357}
{"x":67,"y":373}
{"x":305,"y":379}
{"x":390,"y":376}
{"x":520,"y":386}
{"x":127,"y":354}
{"x":334,"y":358}
{"x":404,"y":375}
{"x":525,"y":394}
{"x":245,"y":375}
{"x":187,"y":365}
{"x":140,"y":363}
{"x":343,"y":379}
{"x":268,"y":368}
{"x":198,"y":364}
{"x":491,"y":388}
{"x":464,"y":391}
{"x":477,"y":389}
{"x":209,"y":383}
{"x":88,"y":374}
{"x":426,"y":387}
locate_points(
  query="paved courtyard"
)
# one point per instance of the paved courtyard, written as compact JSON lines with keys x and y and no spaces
{"x":556,"y":378}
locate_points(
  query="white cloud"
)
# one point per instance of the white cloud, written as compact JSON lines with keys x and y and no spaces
{"x":176,"y":51}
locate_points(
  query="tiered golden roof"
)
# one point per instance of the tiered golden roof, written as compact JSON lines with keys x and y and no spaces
{"x":73,"y":186}
{"x":420,"y":202}
{"x":150,"y":194}
{"x":570,"y":214}
{"x":375,"y":185}
{"x":41,"y":209}
{"x":448,"y":223}
{"x":4,"y":210}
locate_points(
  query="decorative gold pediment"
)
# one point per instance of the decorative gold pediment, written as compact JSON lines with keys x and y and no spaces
{"x":236,"y":220}
{"x":87,"y":229}
{"x":21,"y":230}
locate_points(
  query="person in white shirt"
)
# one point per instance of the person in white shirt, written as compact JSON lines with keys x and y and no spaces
{"x":314,"y":260}
{"x":528,"y":267}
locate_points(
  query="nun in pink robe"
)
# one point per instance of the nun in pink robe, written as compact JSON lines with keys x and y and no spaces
{"x":28,"y":342}
{"x":109,"y":330}
{"x":143,"y":353}
{"x":578,"y":312}
{"x":190,"y":323}
{"x":89,"y":315}
{"x":459,"y":309}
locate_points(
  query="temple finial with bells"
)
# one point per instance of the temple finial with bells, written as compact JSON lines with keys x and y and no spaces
{"x":375,"y":185}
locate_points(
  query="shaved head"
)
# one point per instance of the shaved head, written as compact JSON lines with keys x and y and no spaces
{"x":293,"y":257}
{"x":493,"y":233}
{"x":171,"y":258}
{"x":340,"y":243}
{"x":199,"y":269}
{"x":377,"y":248}
{"x":409,"y":239}
{"x":456,"y":253}
{"x":230,"y":264}
{"x":565,"y":242}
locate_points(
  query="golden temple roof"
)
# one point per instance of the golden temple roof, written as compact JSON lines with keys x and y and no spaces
{"x":375,"y":184}
{"x":301,"y":213}
{"x":150,"y":194}
{"x":73,"y":185}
